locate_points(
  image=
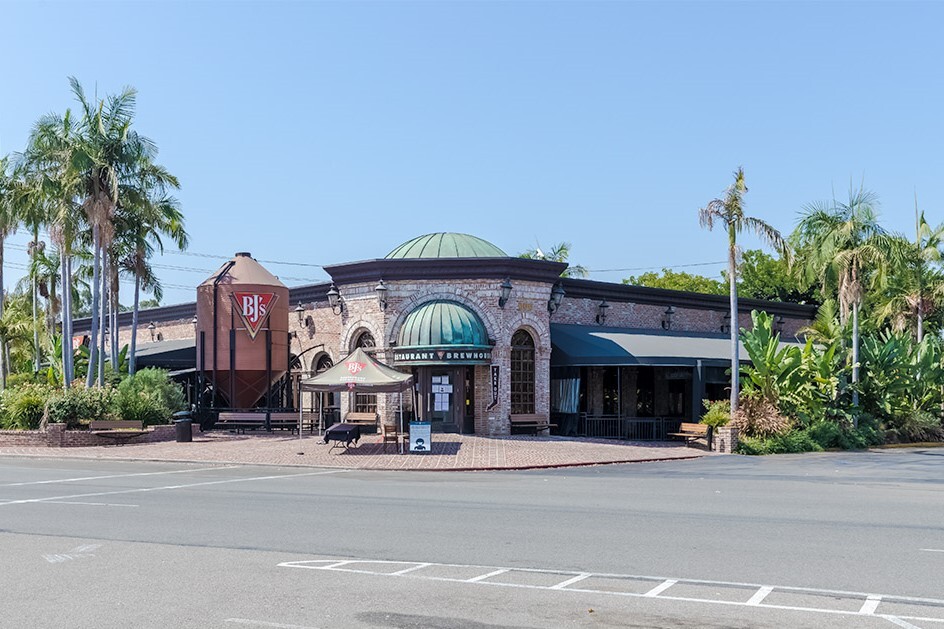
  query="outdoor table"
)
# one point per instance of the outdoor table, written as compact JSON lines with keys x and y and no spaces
{"x":343,"y":433}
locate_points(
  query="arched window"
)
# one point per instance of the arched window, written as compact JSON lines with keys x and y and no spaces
{"x":522,"y":373}
{"x":365,"y":402}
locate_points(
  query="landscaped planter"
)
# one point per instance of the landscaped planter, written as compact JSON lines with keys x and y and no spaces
{"x":56,"y":436}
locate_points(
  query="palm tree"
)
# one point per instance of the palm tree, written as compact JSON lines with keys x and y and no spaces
{"x":9,"y":220}
{"x":729,"y":213}
{"x":557,"y":253}
{"x":929,"y":281}
{"x":845,"y":248}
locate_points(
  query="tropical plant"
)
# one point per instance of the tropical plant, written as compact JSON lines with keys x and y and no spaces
{"x":717,"y":413}
{"x":728,"y":212}
{"x":558,"y":253}
{"x":844,"y":246}
{"x":149,"y":396}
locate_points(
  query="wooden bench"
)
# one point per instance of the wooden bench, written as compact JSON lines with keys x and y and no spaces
{"x":120,"y":431}
{"x":694,"y":432}
{"x":361,"y":419}
{"x":289,"y":420}
{"x":530,"y":422}
{"x":241,"y":421}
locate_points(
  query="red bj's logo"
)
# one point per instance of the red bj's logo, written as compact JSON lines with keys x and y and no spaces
{"x":354,"y":367}
{"x":253,"y":309}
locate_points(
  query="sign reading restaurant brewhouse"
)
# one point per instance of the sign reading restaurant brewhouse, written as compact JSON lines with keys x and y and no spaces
{"x":455,"y":356}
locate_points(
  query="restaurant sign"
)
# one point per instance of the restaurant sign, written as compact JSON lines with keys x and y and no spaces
{"x":442,"y":356}
{"x":253,"y":309}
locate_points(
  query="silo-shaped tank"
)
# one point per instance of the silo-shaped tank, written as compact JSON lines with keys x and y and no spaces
{"x":242,"y":313}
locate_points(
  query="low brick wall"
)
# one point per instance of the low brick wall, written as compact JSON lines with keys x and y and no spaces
{"x":724,"y":440}
{"x":56,"y":436}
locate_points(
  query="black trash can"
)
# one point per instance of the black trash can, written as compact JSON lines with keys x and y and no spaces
{"x":184,"y":430}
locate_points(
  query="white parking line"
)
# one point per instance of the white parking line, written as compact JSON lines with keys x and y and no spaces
{"x":76,"y":480}
{"x":91,"y":504}
{"x":870,"y":604}
{"x":166,"y":487}
{"x":933,"y":550}
{"x":263,"y":623}
{"x":760,"y":595}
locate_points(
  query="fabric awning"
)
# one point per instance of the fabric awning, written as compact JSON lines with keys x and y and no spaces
{"x":358,"y":372}
{"x":581,"y":345}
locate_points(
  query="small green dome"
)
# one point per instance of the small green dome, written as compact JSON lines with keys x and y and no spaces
{"x":441,"y":322}
{"x":447,"y":245}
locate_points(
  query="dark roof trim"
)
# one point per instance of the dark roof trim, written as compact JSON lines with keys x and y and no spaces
{"x":590,"y":289}
{"x":446,"y":269}
{"x":304,"y":294}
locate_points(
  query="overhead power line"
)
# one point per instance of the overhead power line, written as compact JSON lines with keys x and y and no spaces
{"x":658,"y":267}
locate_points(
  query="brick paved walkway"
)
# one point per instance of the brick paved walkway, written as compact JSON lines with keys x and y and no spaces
{"x":450,"y":452}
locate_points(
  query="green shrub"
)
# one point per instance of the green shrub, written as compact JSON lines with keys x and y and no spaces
{"x":18,"y":379}
{"x":913,"y":427}
{"x":790,"y":442}
{"x":718,"y":413}
{"x":22,"y":408}
{"x":77,"y":406}
{"x":149,"y":396}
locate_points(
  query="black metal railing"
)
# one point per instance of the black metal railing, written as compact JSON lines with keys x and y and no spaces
{"x":629,"y":428}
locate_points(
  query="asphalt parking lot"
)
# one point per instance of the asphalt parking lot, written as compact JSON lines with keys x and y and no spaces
{"x":835,"y":539}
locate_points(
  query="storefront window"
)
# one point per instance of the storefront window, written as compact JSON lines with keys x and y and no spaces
{"x":522,"y":373}
{"x":365,"y":402}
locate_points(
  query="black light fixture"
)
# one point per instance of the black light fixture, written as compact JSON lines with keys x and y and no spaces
{"x":667,"y":318}
{"x":557,"y":295}
{"x":310,"y":326}
{"x":778,"y":324}
{"x":601,"y":312}
{"x":300,"y":312}
{"x":381,"y":290}
{"x":335,"y":300}
{"x":726,"y":322}
{"x":194,"y":320}
{"x":505,"y":292}
{"x":151,"y":327}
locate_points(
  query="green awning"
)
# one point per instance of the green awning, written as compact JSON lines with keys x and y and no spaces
{"x":582,"y":345}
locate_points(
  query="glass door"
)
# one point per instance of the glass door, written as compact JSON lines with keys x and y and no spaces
{"x":441,"y":400}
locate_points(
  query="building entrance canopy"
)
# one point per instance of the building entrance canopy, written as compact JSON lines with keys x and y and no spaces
{"x":587,"y":346}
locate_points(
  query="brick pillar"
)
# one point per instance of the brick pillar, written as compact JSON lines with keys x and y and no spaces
{"x":724,"y":440}
{"x":54,"y":433}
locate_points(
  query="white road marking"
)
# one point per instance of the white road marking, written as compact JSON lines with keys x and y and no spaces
{"x":92,"y":504}
{"x":76,"y":480}
{"x":933,"y":550}
{"x":79,"y":552}
{"x":900,"y":622}
{"x":411,"y":569}
{"x":760,"y":595}
{"x":350,"y":566}
{"x":482,"y":577}
{"x":263,"y":623}
{"x":870,"y":604}
{"x":166,"y":487}
{"x":659,"y":589}
{"x":571,"y":581}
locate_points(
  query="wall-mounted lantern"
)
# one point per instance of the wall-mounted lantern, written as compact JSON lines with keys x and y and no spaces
{"x":601,"y":312}
{"x":151,"y":327}
{"x":300,"y":312}
{"x":381,"y":290}
{"x":557,"y":295}
{"x":335,"y":300}
{"x":726,"y":322}
{"x":667,"y":318}
{"x":194,"y":321}
{"x":505,"y":292}
{"x":778,"y":324}
{"x":310,"y":326}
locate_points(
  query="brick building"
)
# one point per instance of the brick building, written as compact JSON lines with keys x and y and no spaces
{"x":488,"y":336}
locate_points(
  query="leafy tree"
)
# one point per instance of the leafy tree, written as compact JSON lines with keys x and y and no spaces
{"x":678,"y":280}
{"x":557,"y":253}
{"x":763,"y":276}
{"x":729,"y":213}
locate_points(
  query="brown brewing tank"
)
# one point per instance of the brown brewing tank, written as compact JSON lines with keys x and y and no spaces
{"x":242,"y":301}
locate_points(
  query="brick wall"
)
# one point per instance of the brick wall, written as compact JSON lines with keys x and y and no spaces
{"x":56,"y":436}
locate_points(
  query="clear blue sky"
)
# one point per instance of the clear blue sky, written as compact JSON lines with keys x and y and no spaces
{"x":326,"y":132}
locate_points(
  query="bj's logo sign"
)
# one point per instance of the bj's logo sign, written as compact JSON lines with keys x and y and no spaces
{"x":355,"y":367}
{"x":253,"y":309}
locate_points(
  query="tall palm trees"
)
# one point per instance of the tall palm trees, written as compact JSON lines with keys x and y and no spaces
{"x":8,"y":223}
{"x":728,"y":212}
{"x":845,"y":248}
{"x":91,"y":165}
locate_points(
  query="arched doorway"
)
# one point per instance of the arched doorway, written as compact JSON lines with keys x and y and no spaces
{"x":364,"y":402}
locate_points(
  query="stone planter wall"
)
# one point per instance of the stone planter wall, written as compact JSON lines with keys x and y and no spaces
{"x":56,"y":436}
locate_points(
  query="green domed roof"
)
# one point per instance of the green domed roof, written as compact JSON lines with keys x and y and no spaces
{"x":441,"y":322}
{"x":447,"y":245}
